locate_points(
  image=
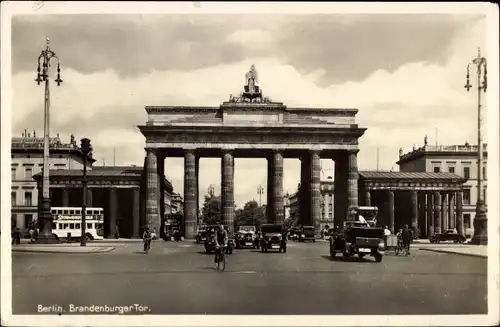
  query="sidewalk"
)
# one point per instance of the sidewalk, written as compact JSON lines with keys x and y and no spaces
{"x":62,"y":248}
{"x":461,"y":249}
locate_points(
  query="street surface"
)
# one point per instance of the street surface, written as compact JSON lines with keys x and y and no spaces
{"x":178,"y":278}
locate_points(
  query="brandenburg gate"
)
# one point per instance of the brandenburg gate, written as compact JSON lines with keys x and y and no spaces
{"x":251,"y":126}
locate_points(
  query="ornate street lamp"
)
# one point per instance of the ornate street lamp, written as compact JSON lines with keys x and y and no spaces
{"x":260,"y":191}
{"x":44,"y":214}
{"x":480,"y":220}
{"x":86,"y":150}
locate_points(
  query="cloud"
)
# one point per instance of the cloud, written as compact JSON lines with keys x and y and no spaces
{"x":399,"y":106}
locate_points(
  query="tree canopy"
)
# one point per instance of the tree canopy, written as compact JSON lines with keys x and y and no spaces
{"x":211,"y":210}
{"x":250,"y":215}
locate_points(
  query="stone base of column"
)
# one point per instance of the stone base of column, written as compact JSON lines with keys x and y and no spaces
{"x":480,"y":226}
{"x":45,"y":220}
{"x":430,"y":231}
{"x":190,"y":229}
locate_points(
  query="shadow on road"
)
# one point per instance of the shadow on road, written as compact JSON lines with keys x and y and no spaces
{"x":351,"y":259}
{"x":139,"y":252}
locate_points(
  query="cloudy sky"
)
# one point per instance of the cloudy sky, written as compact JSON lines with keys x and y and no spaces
{"x":405,"y":73}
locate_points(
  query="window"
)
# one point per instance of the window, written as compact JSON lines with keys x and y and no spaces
{"x":13,"y":173}
{"x":466,"y":197}
{"x":89,"y":225}
{"x":77,"y":226}
{"x":71,"y":226}
{"x":28,"y":174}
{"x":437,"y":169}
{"x":484,"y":196}
{"x":451,"y":170}
{"x":27,"y":199}
{"x":13,"y":199}
{"x":13,"y":220}
{"x":54,"y":226}
{"x":484,"y":172}
{"x":466,"y":172}
{"x":467,"y":220}
{"x":28,"y":221}
{"x":72,"y":212}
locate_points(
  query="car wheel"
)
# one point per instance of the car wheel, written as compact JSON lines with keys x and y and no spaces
{"x":280,"y":250}
{"x":262,"y":249}
{"x":361,"y":255}
{"x":284,"y":249}
{"x":378,"y":258}
{"x":55,"y":237}
{"x":346,"y":255}
{"x":314,"y":241}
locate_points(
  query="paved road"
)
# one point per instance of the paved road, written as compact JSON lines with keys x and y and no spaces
{"x":178,"y":278}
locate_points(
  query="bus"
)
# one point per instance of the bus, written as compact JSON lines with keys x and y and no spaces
{"x":69,"y":220}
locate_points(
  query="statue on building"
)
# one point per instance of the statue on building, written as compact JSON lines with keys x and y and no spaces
{"x":400,"y":152}
{"x":72,"y":139}
{"x":414,"y":147}
{"x":251,"y":79}
{"x":425,"y":140}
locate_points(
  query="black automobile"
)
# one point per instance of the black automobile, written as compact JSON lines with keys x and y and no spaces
{"x":358,"y":239}
{"x":201,"y":235}
{"x":210,"y":242}
{"x":448,"y":235}
{"x":173,"y":232}
{"x":272,"y":238}
{"x":307,"y":234}
{"x":246,"y":237}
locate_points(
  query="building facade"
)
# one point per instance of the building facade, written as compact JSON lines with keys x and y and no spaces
{"x":457,"y":159}
{"x":26,"y":162}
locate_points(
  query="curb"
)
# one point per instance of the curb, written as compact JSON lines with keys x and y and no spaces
{"x":47,"y":250}
{"x":458,"y":253}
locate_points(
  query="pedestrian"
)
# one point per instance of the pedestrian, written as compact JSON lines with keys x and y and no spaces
{"x":407,"y":237}
{"x":117,"y":232}
{"x":146,"y":237}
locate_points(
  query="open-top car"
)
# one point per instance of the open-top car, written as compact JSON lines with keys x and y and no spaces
{"x":172,"y":231}
{"x":448,"y":235}
{"x":210,"y":241}
{"x":294,"y":233}
{"x":246,"y":237}
{"x":307,"y":234}
{"x":272,"y":238}
{"x":201,"y":234}
{"x":359,"y":237}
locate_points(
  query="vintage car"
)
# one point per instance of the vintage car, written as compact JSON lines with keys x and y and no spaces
{"x":307,"y":234}
{"x":294,"y":233}
{"x":246,"y":237}
{"x":447,"y":235}
{"x":172,"y":232}
{"x":358,"y":239}
{"x":272,"y":238}
{"x":210,"y":242}
{"x":201,"y":234}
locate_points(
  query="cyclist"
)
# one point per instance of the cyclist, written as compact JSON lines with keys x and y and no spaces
{"x":221,"y":240}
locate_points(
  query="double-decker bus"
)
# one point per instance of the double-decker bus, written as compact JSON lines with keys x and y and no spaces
{"x":69,"y":220}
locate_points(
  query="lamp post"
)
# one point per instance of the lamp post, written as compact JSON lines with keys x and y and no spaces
{"x":480,"y":220}
{"x":44,"y":214}
{"x":260,"y":191}
{"x":86,"y":149}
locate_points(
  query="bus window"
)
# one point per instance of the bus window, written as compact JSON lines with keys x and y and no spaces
{"x":54,"y":226}
{"x":65,"y":226}
{"x":89,"y":225}
{"x":78,"y":212}
{"x":77,"y":226}
{"x":53,"y":212}
{"x":71,"y":226}
{"x":72,"y":212}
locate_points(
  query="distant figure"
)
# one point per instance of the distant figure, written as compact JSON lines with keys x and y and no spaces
{"x":407,"y":237}
{"x":400,"y":152}
{"x":425,"y":140}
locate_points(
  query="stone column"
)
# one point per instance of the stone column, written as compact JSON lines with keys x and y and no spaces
{"x":65,"y":197}
{"x":390,"y":211}
{"x":368,"y":198}
{"x":161,"y":188}
{"x":227,"y":194}
{"x":451,"y":211}
{"x":152,"y":210}
{"x":190,"y":193}
{"x":304,"y":205}
{"x":444,"y":211}
{"x":352,"y":182}
{"x":136,"y":216}
{"x":270,"y":192}
{"x":414,"y":213}
{"x":430,"y":214}
{"x":460,"y":213}
{"x":277,"y":187}
{"x":113,"y":208}
{"x":340,"y":190}
{"x":197,"y":178}
{"x":315,"y":191}
{"x":437,"y":213}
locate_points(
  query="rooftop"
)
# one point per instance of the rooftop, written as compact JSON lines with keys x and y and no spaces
{"x":467,"y":148}
{"x":30,"y":141}
{"x":409,"y":175}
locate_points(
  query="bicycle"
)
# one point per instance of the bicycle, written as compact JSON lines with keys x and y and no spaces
{"x":147,"y":245}
{"x":399,"y":247}
{"x":220,"y":258}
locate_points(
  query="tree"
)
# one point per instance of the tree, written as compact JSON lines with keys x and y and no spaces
{"x":250,"y":215}
{"x":211,"y":211}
